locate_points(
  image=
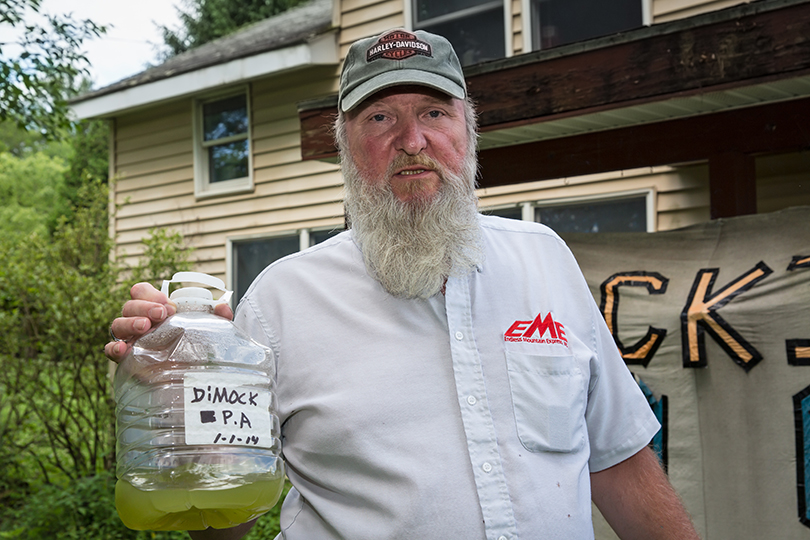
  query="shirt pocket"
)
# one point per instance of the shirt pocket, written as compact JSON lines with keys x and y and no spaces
{"x":548,"y":397}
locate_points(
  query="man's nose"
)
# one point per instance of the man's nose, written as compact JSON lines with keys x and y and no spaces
{"x":411,"y":138}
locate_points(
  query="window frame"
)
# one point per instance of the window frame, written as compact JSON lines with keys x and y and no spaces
{"x":528,"y":207}
{"x":304,"y":242}
{"x":203,"y":187}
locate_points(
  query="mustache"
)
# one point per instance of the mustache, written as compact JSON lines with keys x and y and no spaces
{"x":402,"y":161}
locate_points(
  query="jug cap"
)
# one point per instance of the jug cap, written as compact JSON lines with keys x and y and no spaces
{"x":196,"y":295}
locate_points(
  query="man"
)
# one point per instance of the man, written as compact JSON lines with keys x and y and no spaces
{"x":440,"y":374}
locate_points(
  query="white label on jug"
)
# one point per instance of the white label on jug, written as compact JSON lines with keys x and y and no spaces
{"x":226,"y":409}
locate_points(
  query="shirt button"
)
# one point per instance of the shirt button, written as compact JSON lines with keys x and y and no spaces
{"x":471,"y":400}
{"x":501,"y":538}
{"x":459,"y":336}
{"x":487,"y":467}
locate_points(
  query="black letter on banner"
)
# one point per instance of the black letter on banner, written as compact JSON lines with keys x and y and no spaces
{"x":798,"y":350}
{"x":799,"y":261}
{"x":643,"y":351}
{"x":700,"y":313}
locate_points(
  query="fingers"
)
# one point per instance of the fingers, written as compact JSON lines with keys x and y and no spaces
{"x":224,"y":310}
{"x":116,"y":350}
{"x":145,"y":291}
{"x":147,"y":308}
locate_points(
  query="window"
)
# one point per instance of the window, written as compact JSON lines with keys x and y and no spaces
{"x":559,"y":22}
{"x":475,"y":27}
{"x":595,"y":216}
{"x":616,"y":212}
{"x":222,"y":163}
{"x":249,"y":256}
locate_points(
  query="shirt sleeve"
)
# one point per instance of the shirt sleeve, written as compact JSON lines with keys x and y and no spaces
{"x":620,"y":421}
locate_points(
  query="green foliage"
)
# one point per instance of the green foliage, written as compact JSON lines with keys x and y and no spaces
{"x":59,"y":291}
{"x":20,"y":143}
{"x":206,"y":20}
{"x":55,"y":305}
{"x":81,"y":510}
{"x":44,"y":68}
{"x":41,"y":181}
{"x":164,"y":254}
{"x":31,"y":191}
{"x":88,"y":163}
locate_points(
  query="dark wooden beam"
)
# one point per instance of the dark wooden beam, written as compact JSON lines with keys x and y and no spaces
{"x":775,"y":128}
{"x":732,"y":185}
{"x":673,"y":59}
{"x":317,"y":141}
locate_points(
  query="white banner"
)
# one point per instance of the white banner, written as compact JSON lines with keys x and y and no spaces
{"x":715,"y":321}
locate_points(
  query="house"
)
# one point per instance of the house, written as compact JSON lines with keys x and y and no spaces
{"x":687,"y":111}
{"x":633,"y":115}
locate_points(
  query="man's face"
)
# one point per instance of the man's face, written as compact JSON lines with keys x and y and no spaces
{"x":408,"y":136}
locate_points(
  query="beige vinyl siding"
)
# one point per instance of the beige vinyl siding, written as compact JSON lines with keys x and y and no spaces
{"x":155,"y":187}
{"x":668,"y":10}
{"x":153,"y":164}
{"x":517,"y":26}
{"x":681,"y":195}
{"x":364,"y":18}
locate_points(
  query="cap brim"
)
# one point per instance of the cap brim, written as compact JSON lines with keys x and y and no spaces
{"x":399,"y":77}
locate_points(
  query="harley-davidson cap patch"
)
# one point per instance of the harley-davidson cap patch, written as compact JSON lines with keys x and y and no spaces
{"x":398,"y":45}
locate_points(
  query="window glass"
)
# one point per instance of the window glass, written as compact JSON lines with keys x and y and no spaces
{"x":428,"y":9}
{"x":252,"y":256}
{"x":228,"y":161}
{"x":559,"y":22}
{"x":618,"y":215}
{"x":474,"y":27}
{"x":225,"y":118}
{"x":222,"y":146}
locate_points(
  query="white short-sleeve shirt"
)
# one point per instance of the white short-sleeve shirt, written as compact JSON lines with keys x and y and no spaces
{"x":477,"y":414}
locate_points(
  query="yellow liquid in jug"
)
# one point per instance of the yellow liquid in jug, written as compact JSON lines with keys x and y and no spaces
{"x":195,"y":509}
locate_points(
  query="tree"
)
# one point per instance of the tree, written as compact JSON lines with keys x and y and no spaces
{"x":37,"y":81}
{"x":40,"y":180}
{"x":31,"y":192}
{"x":206,"y":20}
{"x":58,"y":294}
{"x":88,"y":161}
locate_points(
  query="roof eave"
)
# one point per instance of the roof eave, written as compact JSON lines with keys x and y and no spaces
{"x":320,"y":50}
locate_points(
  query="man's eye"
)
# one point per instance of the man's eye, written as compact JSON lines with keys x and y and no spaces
{"x":378,"y":117}
{"x":435,"y":114}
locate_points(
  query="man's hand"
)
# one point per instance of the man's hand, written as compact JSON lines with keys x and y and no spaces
{"x":147,"y":308}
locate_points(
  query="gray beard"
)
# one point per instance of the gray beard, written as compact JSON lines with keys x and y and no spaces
{"x":412,"y":247}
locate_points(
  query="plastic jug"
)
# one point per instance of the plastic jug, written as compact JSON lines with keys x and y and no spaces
{"x":198,"y":439}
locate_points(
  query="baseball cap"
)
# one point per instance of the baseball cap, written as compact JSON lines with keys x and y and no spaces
{"x":399,"y":57}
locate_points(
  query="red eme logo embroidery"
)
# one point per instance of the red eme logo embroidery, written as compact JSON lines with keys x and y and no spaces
{"x":398,"y":45}
{"x":540,"y":330}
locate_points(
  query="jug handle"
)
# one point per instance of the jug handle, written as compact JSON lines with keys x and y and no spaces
{"x":198,"y":277}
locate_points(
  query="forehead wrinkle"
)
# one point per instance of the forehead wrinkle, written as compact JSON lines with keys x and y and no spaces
{"x":435,"y":95}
